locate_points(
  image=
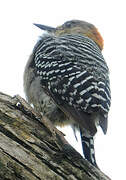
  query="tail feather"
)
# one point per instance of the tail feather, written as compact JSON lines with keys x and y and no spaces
{"x":104,"y":122}
{"x":88,"y":149}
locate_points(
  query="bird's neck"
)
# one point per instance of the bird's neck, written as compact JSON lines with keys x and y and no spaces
{"x":96,"y":37}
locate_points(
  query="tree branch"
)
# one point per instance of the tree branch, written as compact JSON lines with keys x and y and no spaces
{"x":31,"y":148}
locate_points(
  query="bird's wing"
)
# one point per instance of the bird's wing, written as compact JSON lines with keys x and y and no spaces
{"x":75,"y":75}
{"x":80,"y":103}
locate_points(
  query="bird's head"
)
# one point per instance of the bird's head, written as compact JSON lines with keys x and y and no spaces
{"x":76,"y":27}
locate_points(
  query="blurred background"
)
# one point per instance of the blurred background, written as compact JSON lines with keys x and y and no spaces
{"x":18,"y":37}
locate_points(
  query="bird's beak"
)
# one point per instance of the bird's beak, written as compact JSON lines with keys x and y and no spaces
{"x":45,"y":28}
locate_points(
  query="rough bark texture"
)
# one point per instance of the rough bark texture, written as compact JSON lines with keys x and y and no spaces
{"x":31,"y":148}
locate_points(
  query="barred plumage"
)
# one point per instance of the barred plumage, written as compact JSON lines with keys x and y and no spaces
{"x":71,"y":70}
{"x":74,"y":65}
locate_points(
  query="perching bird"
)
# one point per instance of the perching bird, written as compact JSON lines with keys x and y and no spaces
{"x":67,"y":79}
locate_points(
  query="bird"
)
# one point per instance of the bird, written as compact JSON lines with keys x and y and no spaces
{"x":67,"y":79}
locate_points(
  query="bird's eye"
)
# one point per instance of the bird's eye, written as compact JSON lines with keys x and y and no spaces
{"x":68,"y":24}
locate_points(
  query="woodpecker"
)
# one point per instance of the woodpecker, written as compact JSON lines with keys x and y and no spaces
{"x":67,"y":79}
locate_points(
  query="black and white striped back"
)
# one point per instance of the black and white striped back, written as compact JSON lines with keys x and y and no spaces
{"x":77,"y":62}
{"x":75,"y":75}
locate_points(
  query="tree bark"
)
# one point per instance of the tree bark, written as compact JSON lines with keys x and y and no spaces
{"x":31,"y":148}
